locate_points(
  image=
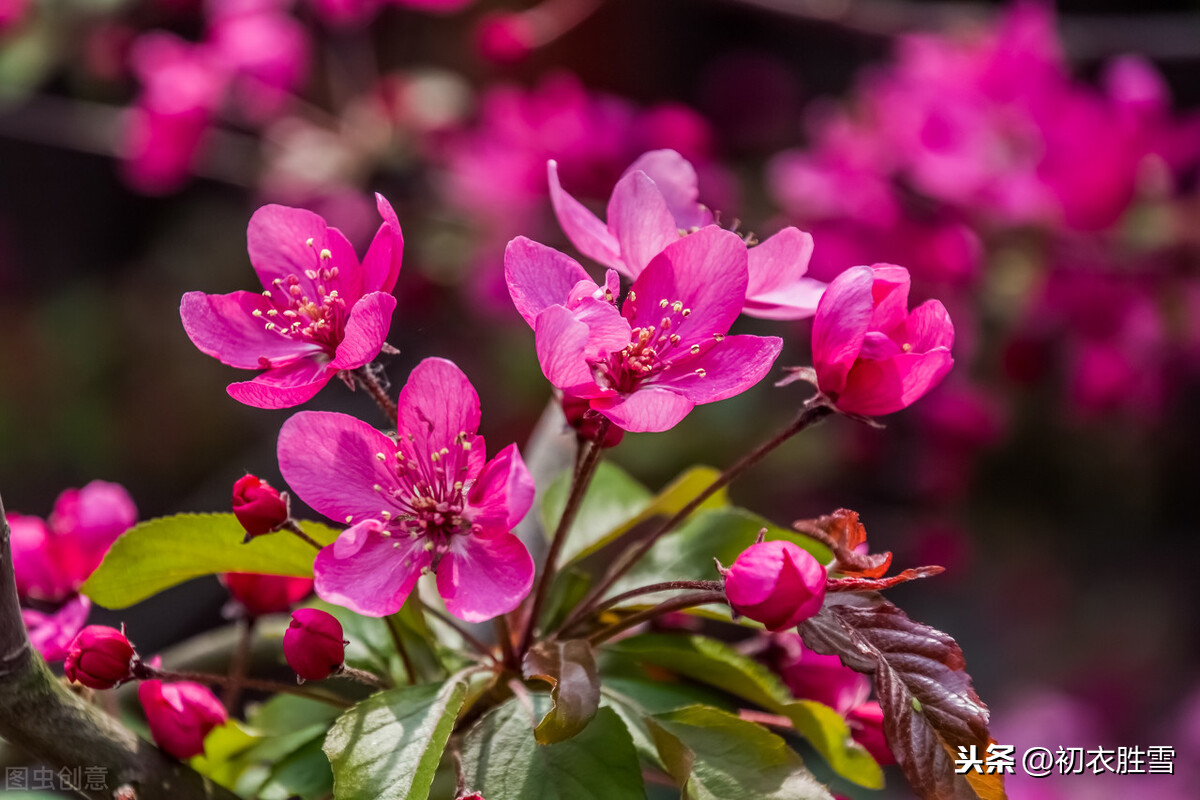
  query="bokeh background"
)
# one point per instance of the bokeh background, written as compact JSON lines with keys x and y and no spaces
{"x":1035,"y":169}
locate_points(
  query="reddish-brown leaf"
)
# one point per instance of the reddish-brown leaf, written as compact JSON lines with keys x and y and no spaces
{"x":875,"y":584}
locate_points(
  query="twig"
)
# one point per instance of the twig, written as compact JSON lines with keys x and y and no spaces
{"x":665,"y":607}
{"x":398,"y":640}
{"x":367,"y":379}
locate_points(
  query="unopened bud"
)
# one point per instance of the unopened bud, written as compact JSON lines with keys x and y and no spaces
{"x":100,"y":657}
{"x":779,"y":584}
{"x":313,"y":644}
{"x":257,"y":506}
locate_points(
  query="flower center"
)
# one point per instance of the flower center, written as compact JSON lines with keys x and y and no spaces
{"x":651,"y":350}
{"x":297,"y":315}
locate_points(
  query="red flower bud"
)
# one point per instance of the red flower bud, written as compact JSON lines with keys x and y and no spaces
{"x":257,"y":506}
{"x":472,"y":796}
{"x":100,"y":657}
{"x":866,"y":726}
{"x":313,"y":644}
{"x":778,"y":583}
{"x":266,"y":594}
{"x":586,"y":422}
{"x":180,"y":715}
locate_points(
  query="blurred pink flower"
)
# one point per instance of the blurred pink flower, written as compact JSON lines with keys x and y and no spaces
{"x":423,"y":501}
{"x":866,"y":727}
{"x":812,"y":676}
{"x":871,"y":355}
{"x":12,"y":12}
{"x":322,"y":311}
{"x":266,"y":594}
{"x":665,"y":351}
{"x":265,"y":50}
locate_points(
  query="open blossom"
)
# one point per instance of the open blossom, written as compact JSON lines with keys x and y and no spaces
{"x":653,"y":204}
{"x":870,"y":354}
{"x":422,"y":501}
{"x":646,"y":365}
{"x":52,"y":559}
{"x":321,"y":312}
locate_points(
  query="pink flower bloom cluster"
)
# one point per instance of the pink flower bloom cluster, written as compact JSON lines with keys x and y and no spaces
{"x":646,"y":364}
{"x":321,"y":311}
{"x":253,"y":51}
{"x":52,"y":559}
{"x":426,"y":500}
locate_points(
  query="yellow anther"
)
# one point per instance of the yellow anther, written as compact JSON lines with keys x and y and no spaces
{"x":326,"y":254}
{"x":686,"y":312}
{"x":663,"y":303}
{"x":377,"y":487}
{"x":349,"y":518}
{"x":701,"y":372}
{"x":906,"y":347}
{"x":385,"y":514}
{"x":309,"y":241}
{"x":272,"y":313}
{"x":257,"y":312}
{"x":695,"y":349}
{"x":381,"y":456}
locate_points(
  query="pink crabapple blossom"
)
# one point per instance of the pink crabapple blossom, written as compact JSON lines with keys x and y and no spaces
{"x":666,"y":350}
{"x":653,"y":204}
{"x":313,"y":644}
{"x":423,"y":501}
{"x":258,"y":506}
{"x":180,"y":715}
{"x":100,"y":657}
{"x":321,"y":311}
{"x":870,"y":354}
{"x":777,"y":583}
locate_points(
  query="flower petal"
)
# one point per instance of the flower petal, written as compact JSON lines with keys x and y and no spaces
{"x":706,"y":273}
{"x":502,"y":493}
{"x":874,"y":388}
{"x":730,"y":367}
{"x":381,"y":264}
{"x":539,"y":276}
{"x":369,"y":572}
{"x":283,"y":387}
{"x":929,"y":326}
{"x":52,"y":634}
{"x":890,"y":291}
{"x":330,"y":462}
{"x":436,"y":405}
{"x":366,"y":330}
{"x":649,"y":409}
{"x":277,"y":240}
{"x":641,"y":221}
{"x":840,"y":325}
{"x":484,"y":576}
{"x":797,"y":301}
{"x":224,"y":326}
{"x":777,"y":288}
{"x":582,"y":227}
{"x":676,"y":180}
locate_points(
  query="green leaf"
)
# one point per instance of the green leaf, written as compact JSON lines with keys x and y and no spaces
{"x":304,"y":772}
{"x":164,"y":552}
{"x":613,"y":499}
{"x":570,"y":669}
{"x":388,"y":746}
{"x":503,"y":761}
{"x":716,"y":664}
{"x":715,"y":755}
{"x":636,"y":697}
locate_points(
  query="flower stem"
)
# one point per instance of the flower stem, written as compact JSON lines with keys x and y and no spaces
{"x":291,"y":526}
{"x":579,"y":486}
{"x":809,"y":416}
{"x":368,"y":380}
{"x":712,"y":586}
{"x":504,"y":635}
{"x":398,"y":640}
{"x":665,"y":607}
{"x":360,"y":675}
{"x":237,"y":665}
{"x":146,"y":672}
{"x":466,"y":635}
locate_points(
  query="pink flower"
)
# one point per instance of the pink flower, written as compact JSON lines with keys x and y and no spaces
{"x":653,"y":204}
{"x":866,"y":727}
{"x":776,"y":583}
{"x":870,"y":354}
{"x":51,"y":633}
{"x":321,"y":312}
{"x":266,"y":50}
{"x":266,"y":594}
{"x":667,"y":350}
{"x":812,"y":676}
{"x":258,"y":507}
{"x":425,"y":501}
{"x":182,"y":86}
{"x":313,"y":644}
{"x":100,"y":657}
{"x":180,"y":715}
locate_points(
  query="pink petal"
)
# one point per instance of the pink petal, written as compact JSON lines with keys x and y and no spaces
{"x":52,"y":634}
{"x":224,"y":326}
{"x":283,"y":387}
{"x":797,"y":301}
{"x":277,"y":240}
{"x":706,"y":272}
{"x":883,"y":387}
{"x":381,"y":264}
{"x":730,"y":366}
{"x":484,"y":576}
{"x":582,"y":227}
{"x":890,"y":291}
{"x":641,"y":221}
{"x":502,"y":493}
{"x":369,"y":572}
{"x":840,"y":325}
{"x":329,"y":460}
{"x":929,"y":326}
{"x":780,"y":261}
{"x":878,"y":346}
{"x":676,"y":180}
{"x":90,"y":520}
{"x":649,"y":409}
{"x":539,"y":276}
{"x":38,"y":573}
{"x":561,"y":342}
{"x":436,"y":405}
{"x":366,"y":330}
{"x":757,"y":570}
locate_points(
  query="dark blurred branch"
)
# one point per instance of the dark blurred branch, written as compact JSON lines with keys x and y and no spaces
{"x":1160,"y":35}
{"x":42,"y":717}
